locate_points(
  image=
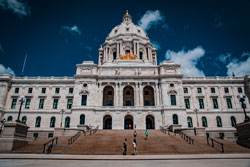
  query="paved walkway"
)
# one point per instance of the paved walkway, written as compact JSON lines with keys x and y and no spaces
{"x":127,"y":157}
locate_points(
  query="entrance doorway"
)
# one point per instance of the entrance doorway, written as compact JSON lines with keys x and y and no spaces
{"x":150,"y":122}
{"x":107,"y":122}
{"x":128,"y":122}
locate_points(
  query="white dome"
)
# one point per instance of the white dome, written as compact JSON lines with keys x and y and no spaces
{"x":127,"y":28}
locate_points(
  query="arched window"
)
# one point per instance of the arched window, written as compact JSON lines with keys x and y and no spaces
{"x":52,"y":122}
{"x":24,"y":119}
{"x":175,"y":119}
{"x":67,"y":122}
{"x":82,"y":119}
{"x":190,"y":122}
{"x":204,"y":121}
{"x":233,"y":121}
{"x":9,"y":118}
{"x":128,"y":96}
{"x":108,"y":96}
{"x":148,"y":96}
{"x":218,"y":120}
{"x":38,"y":122}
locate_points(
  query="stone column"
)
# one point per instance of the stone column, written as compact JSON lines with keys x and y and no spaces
{"x":137,"y":49}
{"x":193,"y":98}
{"x":157,"y":93}
{"x":221,"y":99}
{"x":116,"y":98}
{"x":206,"y":100}
{"x":136,"y":95}
{"x":141,"y":94}
{"x":117,"y":51}
{"x":120,"y":99}
{"x":101,"y":94}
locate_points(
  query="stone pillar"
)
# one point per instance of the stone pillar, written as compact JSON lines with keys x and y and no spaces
{"x":206,"y":100}
{"x":193,"y":98}
{"x":101,"y":94}
{"x":141,"y":94}
{"x":116,"y":95}
{"x":157,"y":94}
{"x":13,"y":136}
{"x":136,"y":94}
{"x":120,"y":94}
{"x":220,"y":99}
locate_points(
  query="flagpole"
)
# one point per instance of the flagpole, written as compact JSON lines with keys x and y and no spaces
{"x":24,"y":65}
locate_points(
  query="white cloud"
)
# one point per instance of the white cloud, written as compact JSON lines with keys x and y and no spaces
{"x":16,"y":6}
{"x":74,"y":30}
{"x":239,"y":68}
{"x":156,"y":45}
{"x":188,"y":60}
{"x":151,"y":18}
{"x":224,"y":57}
{"x":4,"y":70}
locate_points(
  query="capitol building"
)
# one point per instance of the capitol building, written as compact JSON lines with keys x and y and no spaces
{"x":127,"y":89}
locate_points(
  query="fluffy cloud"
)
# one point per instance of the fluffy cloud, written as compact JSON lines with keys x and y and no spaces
{"x":239,"y":68}
{"x":74,"y":30}
{"x":188,"y":60}
{"x":19,"y":8}
{"x":224,"y":57}
{"x":156,"y":45}
{"x":4,"y":70}
{"x":151,"y":18}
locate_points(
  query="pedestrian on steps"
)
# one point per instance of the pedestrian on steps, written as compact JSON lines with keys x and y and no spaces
{"x":135,"y":134}
{"x":134,"y":146}
{"x":146,"y":134}
{"x":125,"y":147}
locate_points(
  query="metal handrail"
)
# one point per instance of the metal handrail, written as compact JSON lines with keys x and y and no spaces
{"x":186,"y":138}
{"x":215,"y":141}
{"x":48,"y":142}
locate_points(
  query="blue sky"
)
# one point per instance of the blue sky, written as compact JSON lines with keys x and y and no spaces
{"x":208,"y":38}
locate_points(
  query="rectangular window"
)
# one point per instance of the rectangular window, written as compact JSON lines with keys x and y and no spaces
{"x":27,"y":103}
{"x":16,"y":90}
{"x":201,"y":103}
{"x":41,"y":103}
{"x":229,"y":103}
{"x":212,"y":90}
{"x":185,"y":90}
{"x":187,"y":103}
{"x":30,"y":90}
{"x":69,"y":104}
{"x":55,"y":103}
{"x":215,"y":103}
{"x":43,"y":90}
{"x":146,"y":103}
{"x":71,"y":90}
{"x":199,"y":90}
{"x":128,"y":103}
{"x":50,"y":135}
{"x":173,"y":100}
{"x":84,"y":100}
{"x":109,"y":103}
{"x":13,"y":104}
{"x":239,"y":90}
{"x":57,"y":90}
{"x":226,"y":90}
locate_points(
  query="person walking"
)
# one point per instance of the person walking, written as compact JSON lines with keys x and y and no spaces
{"x":135,"y":134}
{"x":125,"y":147}
{"x":134,"y":146}
{"x":146,"y":134}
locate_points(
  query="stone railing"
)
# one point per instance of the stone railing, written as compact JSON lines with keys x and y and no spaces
{"x":213,"y":142}
{"x":50,"y":145}
{"x":186,"y":138}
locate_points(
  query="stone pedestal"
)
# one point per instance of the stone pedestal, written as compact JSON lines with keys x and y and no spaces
{"x":65,"y":131}
{"x":13,"y":136}
{"x":243,"y":130}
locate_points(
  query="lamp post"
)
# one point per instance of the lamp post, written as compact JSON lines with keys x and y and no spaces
{"x":196,"y":112}
{"x":21,"y":101}
{"x":62,"y":112}
{"x":243,"y":105}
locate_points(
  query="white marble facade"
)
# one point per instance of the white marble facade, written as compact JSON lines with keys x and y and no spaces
{"x":127,"y":64}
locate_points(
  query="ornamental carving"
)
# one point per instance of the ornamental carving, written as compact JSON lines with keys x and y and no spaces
{"x":84,"y":92}
{"x":172,"y":92}
{"x":170,"y":68}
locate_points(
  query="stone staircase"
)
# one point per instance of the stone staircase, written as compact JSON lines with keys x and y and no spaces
{"x":111,"y":142}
